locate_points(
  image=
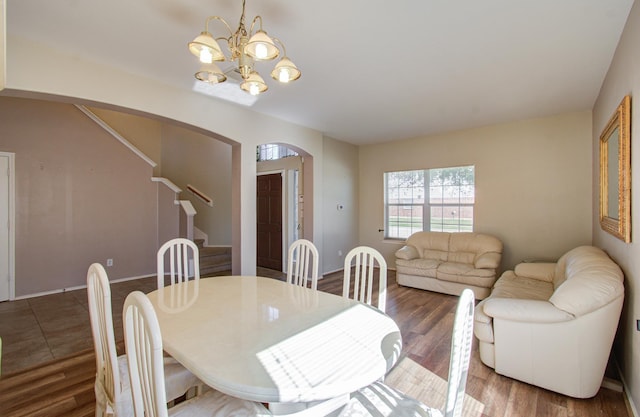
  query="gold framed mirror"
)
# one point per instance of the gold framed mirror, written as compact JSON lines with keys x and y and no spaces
{"x":615,"y":173}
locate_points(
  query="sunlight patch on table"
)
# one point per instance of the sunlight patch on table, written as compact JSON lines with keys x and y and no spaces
{"x":350,"y":337}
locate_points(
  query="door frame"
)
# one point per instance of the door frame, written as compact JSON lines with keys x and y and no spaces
{"x":283,"y":211}
{"x":11,"y":238}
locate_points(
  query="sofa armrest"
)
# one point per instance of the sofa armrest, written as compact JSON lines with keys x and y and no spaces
{"x":488,"y":260}
{"x":528,"y":311}
{"x":543,"y":271}
{"x":407,"y":252}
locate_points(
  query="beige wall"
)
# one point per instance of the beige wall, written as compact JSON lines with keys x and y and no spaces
{"x":340,"y":188}
{"x":81,"y":197}
{"x":71,"y":78}
{"x":184,"y":157}
{"x":533,"y":183}
{"x":144,"y":133}
{"x":205,"y":163}
{"x":623,"y":78}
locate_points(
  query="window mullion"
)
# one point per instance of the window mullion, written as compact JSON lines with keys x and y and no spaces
{"x":426,"y":210}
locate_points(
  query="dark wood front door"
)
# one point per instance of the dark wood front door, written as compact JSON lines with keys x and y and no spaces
{"x":269,"y":214}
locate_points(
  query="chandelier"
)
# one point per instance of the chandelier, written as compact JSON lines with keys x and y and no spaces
{"x":245,"y":48}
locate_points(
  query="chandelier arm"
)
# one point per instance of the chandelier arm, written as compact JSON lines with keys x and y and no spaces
{"x":210,"y":18}
{"x":258,"y":17}
{"x":284,"y":50}
{"x":228,"y":41}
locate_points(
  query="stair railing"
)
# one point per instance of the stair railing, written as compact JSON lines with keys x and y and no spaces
{"x":176,"y":217}
{"x":186,"y":219}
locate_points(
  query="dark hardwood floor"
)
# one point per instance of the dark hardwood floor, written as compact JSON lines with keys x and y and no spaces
{"x":64,"y":387}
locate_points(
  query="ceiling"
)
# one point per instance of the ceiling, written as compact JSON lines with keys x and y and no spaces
{"x":372,"y":70}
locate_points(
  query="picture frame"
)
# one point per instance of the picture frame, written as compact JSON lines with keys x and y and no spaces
{"x":615,"y":173}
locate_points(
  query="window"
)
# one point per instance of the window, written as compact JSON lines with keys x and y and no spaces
{"x":270,"y":152}
{"x":437,"y":200}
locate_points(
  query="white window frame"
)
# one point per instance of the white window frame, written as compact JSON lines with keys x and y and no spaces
{"x":420,"y":197}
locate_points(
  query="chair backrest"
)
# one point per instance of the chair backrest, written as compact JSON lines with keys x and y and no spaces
{"x":143,"y":343}
{"x":182,"y":257}
{"x":301,"y":253}
{"x":99,"y":296}
{"x":363,"y":259}
{"x":460,"y":354}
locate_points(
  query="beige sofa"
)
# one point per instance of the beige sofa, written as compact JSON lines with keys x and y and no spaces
{"x":449,"y":262}
{"x":553,"y":324}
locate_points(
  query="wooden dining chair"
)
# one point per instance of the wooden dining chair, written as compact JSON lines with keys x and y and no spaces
{"x":182,"y":257}
{"x":381,"y":400}
{"x":143,"y":343}
{"x":112,"y":388}
{"x":361,"y":261}
{"x":301,"y":253}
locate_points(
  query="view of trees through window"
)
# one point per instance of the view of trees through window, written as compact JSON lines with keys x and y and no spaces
{"x":270,"y":152}
{"x":431,"y":199}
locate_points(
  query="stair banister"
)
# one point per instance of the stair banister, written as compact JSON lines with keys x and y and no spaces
{"x":186,"y":219}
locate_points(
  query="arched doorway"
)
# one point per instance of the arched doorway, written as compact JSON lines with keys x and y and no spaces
{"x":283,"y":197}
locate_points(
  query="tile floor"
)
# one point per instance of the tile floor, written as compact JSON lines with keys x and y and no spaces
{"x":40,"y":329}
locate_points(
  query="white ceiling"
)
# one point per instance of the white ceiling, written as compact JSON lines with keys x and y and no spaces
{"x":372,"y":70}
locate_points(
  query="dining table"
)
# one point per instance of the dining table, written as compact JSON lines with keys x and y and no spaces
{"x":300,"y":351}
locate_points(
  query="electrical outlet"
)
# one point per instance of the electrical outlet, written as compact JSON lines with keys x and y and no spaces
{"x":339,"y":253}
{"x":109,"y":262}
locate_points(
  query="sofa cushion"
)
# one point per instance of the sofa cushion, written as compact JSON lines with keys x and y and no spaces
{"x":407,"y":253}
{"x":422,"y":267}
{"x":430,"y":245}
{"x":465,"y":273}
{"x":488,"y":260}
{"x":482,"y":251}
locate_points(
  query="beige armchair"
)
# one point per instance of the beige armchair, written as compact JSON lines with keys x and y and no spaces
{"x":553,"y":324}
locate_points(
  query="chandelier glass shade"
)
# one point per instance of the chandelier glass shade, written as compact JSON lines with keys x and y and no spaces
{"x":244,"y":48}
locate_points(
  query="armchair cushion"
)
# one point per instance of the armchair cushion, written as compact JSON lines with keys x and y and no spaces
{"x":526,"y":311}
{"x":544,"y":271}
{"x":588,"y":294}
{"x":511,"y":285}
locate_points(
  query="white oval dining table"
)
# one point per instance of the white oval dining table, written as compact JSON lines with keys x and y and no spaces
{"x":264,"y":340}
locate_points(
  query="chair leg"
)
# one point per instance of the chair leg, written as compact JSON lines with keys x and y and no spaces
{"x":101,"y":408}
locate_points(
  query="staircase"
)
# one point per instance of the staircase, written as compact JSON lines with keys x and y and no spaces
{"x":213,"y":261}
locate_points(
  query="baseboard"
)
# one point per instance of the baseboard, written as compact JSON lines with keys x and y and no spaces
{"x":612,"y":384}
{"x":628,"y":400}
{"x":342,"y":269}
{"x":132,"y":278}
{"x":78,"y":287}
{"x":329,"y":272}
